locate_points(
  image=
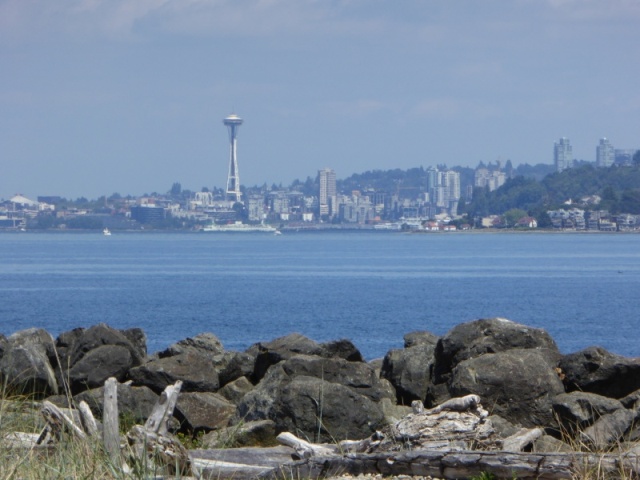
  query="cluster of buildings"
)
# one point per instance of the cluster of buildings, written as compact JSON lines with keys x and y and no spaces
{"x":606,"y":154}
{"x":593,"y":220}
{"x":430,"y":206}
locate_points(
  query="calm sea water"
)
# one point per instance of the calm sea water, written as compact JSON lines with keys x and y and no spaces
{"x":369,"y":287}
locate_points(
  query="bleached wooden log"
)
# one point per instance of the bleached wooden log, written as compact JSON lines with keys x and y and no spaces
{"x":519,"y":440}
{"x":163,"y":409}
{"x":460,"y":404}
{"x":58,"y":420}
{"x":462,"y":464}
{"x":303,"y":448}
{"x":110,"y":421}
{"x":88,"y":420}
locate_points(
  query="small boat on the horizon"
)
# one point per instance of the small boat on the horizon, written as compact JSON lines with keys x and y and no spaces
{"x":106,"y":232}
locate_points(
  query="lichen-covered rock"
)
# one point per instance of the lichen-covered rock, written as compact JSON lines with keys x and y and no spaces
{"x":518,"y":384}
{"x":596,"y":370}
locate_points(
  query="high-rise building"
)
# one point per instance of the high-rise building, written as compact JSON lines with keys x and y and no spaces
{"x":562,"y":154}
{"x":605,"y":153}
{"x":233,"y":123}
{"x":327,"y":195}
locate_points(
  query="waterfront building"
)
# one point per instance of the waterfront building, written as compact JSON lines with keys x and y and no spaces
{"x":562,"y":154}
{"x":327,"y":196}
{"x":605,"y":153}
{"x":233,"y":122}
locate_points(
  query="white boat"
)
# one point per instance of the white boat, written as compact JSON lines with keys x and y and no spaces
{"x":239,"y":227}
{"x":106,"y":232}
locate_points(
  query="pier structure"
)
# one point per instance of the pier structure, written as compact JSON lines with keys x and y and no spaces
{"x":233,"y":122}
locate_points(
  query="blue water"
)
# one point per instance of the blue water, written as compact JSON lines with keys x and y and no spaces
{"x":369,"y":287}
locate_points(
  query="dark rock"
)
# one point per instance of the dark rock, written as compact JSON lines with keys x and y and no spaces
{"x":134,"y":403}
{"x":472,"y":339}
{"x":234,"y":365}
{"x":138,"y":339}
{"x":97,"y":365}
{"x":414,"y":339}
{"x":64,"y":343}
{"x":203,"y":411}
{"x":325,"y":411}
{"x":99,"y":335}
{"x":608,"y":429}
{"x":596,"y":370}
{"x":205,"y":344}
{"x":341,"y":349}
{"x":261,"y":433}
{"x":25,"y":367}
{"x":578,"y":410}
{"x":196,"y":372}
{"x":271,"y":353}
{"x":234,"y":391}
{"x":409,"y":371}
{"x":358,"y":376}
{"x":3,"y":344}
{"x":517,"y":384}
{"x":304,"y":392}
{"x":437,"y":395}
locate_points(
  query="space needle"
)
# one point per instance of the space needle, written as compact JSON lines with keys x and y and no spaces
{"x":233,"y":122}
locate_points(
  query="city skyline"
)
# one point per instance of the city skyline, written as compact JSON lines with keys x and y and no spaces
{"x":102,"y":97}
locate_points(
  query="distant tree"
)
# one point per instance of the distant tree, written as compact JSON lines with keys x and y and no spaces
{"x":512,"y":216}
{"x":636,"y":158}
{"x":204,"y":189}
{"x":176,"y":189}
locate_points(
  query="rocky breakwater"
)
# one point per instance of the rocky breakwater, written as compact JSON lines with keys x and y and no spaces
{"x":326,"y":392}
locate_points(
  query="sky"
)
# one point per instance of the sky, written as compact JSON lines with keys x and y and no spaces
{"x":128,"y":96}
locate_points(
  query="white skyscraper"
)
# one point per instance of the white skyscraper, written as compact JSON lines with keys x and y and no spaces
{"x":562,"y":154}
{"x":327,"y":195}
{"x":605,"y":153}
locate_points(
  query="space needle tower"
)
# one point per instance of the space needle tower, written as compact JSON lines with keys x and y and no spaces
{"x":233,"y":122}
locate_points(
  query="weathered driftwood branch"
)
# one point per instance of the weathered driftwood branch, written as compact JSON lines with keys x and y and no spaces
{"x":58,"y":420}
{"x":303,"y":448}
{"x":87,"y":419}
{"x":163,"y":409}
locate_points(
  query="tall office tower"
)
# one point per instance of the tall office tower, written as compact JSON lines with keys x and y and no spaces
{"x":562,"y":156}
{"x":605,"y":153}
{"x":327,"y":190}
{"x":233,"y":123}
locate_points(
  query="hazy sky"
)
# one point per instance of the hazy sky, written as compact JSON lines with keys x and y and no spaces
{"x":128,"y":96}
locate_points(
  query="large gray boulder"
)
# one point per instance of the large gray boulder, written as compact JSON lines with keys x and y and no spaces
{"x":197,"y":373}
{"x":319,"y":398}
{"x":579,"y":410}
{"x":422,"y":337}
{"x":326,"y":411}
{"x":203,"y":411}
{"x":517,"y":384}
{"x":25,"y":366}
{"x":409,"y":371}
{"x":494,"y":335}
{"x":596,"y":370}
{"x":341,"y":349}
{"x":97,"y":365}
{"x":280,"y":349}
{"x":102,"y":334}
